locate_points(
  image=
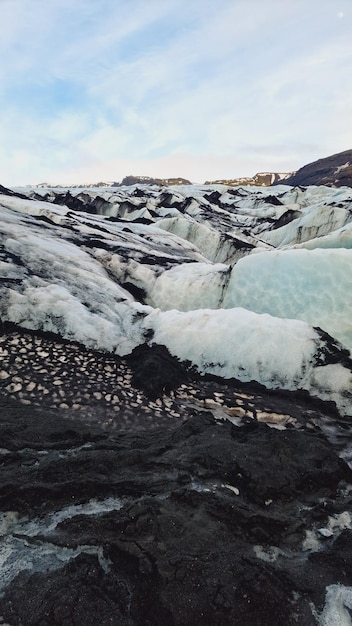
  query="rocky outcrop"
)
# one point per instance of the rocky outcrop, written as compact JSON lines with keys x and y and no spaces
{"x":261,"y":179}
{"x":147,"y":180}
{"x":332,"y":171}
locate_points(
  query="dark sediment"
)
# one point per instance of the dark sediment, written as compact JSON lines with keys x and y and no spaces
{"x":148,"y":510}
{"x":210,"y":528}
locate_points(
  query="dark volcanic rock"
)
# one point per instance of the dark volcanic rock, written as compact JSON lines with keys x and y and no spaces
{"x":333,"y":171}
{"x":201,"y":523}
{"x":155,"y":370}
{"x":79,"y":593}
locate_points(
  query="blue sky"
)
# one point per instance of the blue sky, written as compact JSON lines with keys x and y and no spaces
{"x":95,"y":90}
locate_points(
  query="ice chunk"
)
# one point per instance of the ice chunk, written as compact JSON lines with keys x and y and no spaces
{"x":237,"y":343}
{"x":310,"y":285}
{"x":338,"y":604}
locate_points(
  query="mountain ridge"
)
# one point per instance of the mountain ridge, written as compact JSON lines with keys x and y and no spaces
{"x":260,"y":179}
{"x":332,"y":171}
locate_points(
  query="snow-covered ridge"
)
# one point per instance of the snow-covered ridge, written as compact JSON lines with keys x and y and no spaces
{"x":260,"y":179}
{"x":235,"y":280}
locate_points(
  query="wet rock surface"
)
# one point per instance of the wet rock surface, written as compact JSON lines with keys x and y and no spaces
{"x":200,"y":522}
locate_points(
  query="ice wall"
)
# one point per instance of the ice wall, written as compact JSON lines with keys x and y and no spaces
{"x":310,"y":285}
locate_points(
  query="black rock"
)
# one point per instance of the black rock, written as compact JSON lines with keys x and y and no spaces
{"x":155,"y":370}
{"x":197,"y":523}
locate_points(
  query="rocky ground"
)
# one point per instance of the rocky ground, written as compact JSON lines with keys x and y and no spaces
{"x":195,"y":521}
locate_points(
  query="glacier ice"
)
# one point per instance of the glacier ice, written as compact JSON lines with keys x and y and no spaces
{"x":310,"y":285}
{"x":237,"y":343}
{"x":235,"y":280}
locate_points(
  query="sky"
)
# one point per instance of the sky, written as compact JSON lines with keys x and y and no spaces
{"x":96,"y":90}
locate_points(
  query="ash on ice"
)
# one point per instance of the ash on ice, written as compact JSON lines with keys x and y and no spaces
{"x":176,"y":401}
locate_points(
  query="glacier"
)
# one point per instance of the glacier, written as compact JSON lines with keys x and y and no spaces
{"x":245,"y":283}
{"x":175,"y":405}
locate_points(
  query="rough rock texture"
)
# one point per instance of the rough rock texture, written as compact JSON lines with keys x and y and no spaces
{"x":332,"y":171}
{"x":208,"y":527}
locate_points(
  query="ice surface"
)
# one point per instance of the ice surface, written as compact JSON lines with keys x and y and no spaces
{"x":237,"y":343}
{"x":189,"y":287}
{"x":313,"y":286}
{"x":310,"y":285}
{"x":18,"y":554}
{"x":338,"y":606}
{"x":235,"y":280}
{"x":64,"y":290}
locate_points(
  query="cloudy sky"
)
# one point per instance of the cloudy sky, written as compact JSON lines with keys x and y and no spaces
{"x":97,"y":89}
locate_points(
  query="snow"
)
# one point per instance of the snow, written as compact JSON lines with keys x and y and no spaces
{"x":235,"y":280}
{"x":53,"y":308}
{"x":342,"y":167}
{"x":212,"y":338}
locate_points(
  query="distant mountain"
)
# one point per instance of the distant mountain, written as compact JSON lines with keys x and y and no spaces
{"x":261,"y":179}
{"x":147,"y":180}
{"x":332,"y":171}
{"x":127,"y":181}
{"x":74,"y":185}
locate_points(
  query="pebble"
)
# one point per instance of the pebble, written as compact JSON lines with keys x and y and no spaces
{"x":14,"y":387}
{"x":66,"y":375}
